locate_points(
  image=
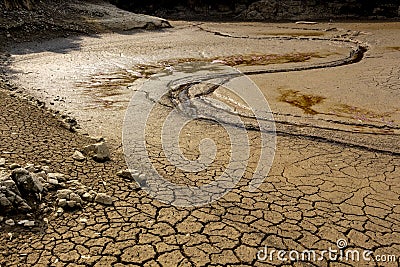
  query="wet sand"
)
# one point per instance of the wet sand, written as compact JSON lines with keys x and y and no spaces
{"x":336,"y":169}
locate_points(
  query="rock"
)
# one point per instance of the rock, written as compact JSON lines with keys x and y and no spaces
{"x":29,"y":224}
{"x":7,"y":182}
{"x":67,"y":198}
{"x":46,"y":169}
{"x":14,"y":166}
{"x":133,"y":175}
{"x":10,"y":222}
{"x":1,"y":219}
{"x":128,"y":174}
{"x":141,"y":180}
{"x":64,"y":193}
{"x":5,"y":204}
{"x":52,"y":181}
{"x":80,"y":191}
{"x":98,"y":151}
{"x":42,"y":176}
{"x":26,"y":181}
{"x":45,"y":161}
{"x":59,"y":211}
{"x":2,"y":162}
{"x":57,"y":176}
{"x":73,"y":204}
{"x":30,"y":167}
{"x":10,"y":201}
{"x":62,"y":202}
{"x":88,"y":197}
{"x":103,"y":198}
{"x":78,"y":156}
{"x":22,"y":222}
{"x":75,"y":197}
{"x":240,"y":8}
{"x":96,"y":139}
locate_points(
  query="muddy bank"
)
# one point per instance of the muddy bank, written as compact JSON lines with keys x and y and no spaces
{"x":51,"y":19}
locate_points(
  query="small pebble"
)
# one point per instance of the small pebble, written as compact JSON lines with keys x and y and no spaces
{"x":14,"y":166}
{"x":78,"y":156}
{"x":2,"y":162}
{"x":10,"y":222}
{"x":29,"y":224}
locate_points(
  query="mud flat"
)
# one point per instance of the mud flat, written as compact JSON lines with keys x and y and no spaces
{"x":333,"y":89}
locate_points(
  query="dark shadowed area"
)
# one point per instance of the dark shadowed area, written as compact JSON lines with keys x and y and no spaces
{"x":265,"y":10}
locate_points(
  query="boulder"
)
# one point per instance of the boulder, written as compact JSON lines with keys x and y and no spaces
{"x":27,"y":182}
{"x":7,"y":182}
{"x":11,"y":202}
{"x":98,"y":151}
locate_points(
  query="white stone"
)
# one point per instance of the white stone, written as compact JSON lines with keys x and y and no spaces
{"x":78,"y":156}
{"x":29,"y":224}
{"x":10,"y":222}
{"x":52,"y":181}
{"x":98,"y":151}
{"x":58,"y":176}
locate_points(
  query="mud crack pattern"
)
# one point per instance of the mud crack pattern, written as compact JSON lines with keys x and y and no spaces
{"x":352,"y":194}
{"x":317,"y":192}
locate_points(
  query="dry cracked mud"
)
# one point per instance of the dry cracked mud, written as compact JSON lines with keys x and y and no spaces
{"x":336,"y":171}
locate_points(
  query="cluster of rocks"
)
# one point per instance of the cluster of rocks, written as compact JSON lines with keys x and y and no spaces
{"x":77,"y":195}
{"x":32,"y":188}
{"x":314,"y":9}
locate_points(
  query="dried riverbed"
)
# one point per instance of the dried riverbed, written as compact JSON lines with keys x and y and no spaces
{"x":333,"y":89}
